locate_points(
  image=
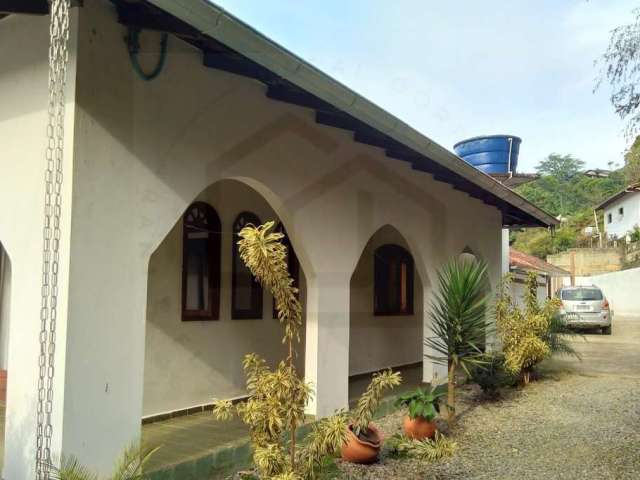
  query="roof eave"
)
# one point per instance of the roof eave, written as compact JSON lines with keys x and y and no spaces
{"x":215,"y":22}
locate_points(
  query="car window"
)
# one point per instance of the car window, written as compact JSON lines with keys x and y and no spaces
{"x":582,"y":294}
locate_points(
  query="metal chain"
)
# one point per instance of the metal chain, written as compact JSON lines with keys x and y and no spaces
{"x":58,"y":61}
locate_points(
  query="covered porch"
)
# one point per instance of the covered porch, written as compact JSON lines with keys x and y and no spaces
{"x":198,"y":442}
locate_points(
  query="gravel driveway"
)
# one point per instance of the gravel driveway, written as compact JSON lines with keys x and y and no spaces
{"x":580,"y":421}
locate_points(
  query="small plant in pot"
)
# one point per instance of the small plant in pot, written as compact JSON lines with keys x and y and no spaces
{"x":364,"y":440}
{"x":423,"y":407}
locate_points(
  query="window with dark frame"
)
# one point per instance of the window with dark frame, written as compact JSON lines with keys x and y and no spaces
{"x":609,"y":218}
{"x":621,"y":211}
{"x":246,"y":292}
{"x":293,"y":265}
{"x":200,"y":263}
{"x":393,"y":281}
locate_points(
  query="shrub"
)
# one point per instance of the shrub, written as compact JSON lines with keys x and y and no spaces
{"x":525,"y":333}
{"x":492,"y":376}
{"x":129,"y":467}
{"x":275,"y":407}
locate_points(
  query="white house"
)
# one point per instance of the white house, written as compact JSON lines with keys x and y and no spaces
{"x":621,"y":212}
{"x":155,"y":311}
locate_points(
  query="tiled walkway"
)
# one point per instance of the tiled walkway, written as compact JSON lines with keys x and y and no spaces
{"x":193,"y":436}
{"x":190,"y":437}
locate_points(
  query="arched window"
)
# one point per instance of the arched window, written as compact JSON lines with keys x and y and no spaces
{"x":200,"y":263}
{"x":293,"y":265}
{"x":393,"y":281}
{"x":246,"y":292}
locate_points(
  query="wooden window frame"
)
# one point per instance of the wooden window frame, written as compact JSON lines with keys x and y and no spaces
{"x":384,"y":256}
{"x":213,"y":251}
{"x":256,"y":310}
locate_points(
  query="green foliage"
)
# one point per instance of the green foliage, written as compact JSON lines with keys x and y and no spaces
{"x":423,"y":402}
{"x":129,"y":467}
{"x":621,"y":70}
{"x":634,"y":235}
{"x":558,"y":337}
{"x":632,"y":163}
{"x":562,"y":190}
{"x":561,"y":167}
{"x":277,"y":397}
{"x":524,"y":332}
{"x":458,"y":320}
{"x":430,"y":450}
{"x":492,"y":376}
{"x":459,"y":323}
{"x":370,"y":399}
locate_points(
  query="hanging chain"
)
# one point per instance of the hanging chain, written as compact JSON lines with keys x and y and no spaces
{"x":58,"y":60}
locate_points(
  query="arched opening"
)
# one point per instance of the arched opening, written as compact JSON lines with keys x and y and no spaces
{"x":5,"y":295}
{"x":190,"y":363}
{"x":386,"y":312}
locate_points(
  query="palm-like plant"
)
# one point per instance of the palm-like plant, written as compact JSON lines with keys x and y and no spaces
{"x":459,"y":325}
{"x":129,"y":467}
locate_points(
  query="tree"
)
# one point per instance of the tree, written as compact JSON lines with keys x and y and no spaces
{"x":632,"y":162}
{"x":562,"y":167}
{"x":459,"y":323}
{"x":621,"y":70}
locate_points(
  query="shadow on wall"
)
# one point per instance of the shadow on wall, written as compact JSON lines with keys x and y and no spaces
{"x":188,"y":363}
{"x":392,"y":338}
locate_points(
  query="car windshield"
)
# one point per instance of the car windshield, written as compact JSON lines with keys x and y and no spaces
{"x":582,"y":294}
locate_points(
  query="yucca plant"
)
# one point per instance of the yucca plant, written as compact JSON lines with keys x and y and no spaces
{"x":528,"y":334}
{"x":277,"y":398}
{"x":458,"y":321}
{"x":129,"y":467}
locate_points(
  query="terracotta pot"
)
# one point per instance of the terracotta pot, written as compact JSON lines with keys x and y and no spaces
{"x":357,"y":450}
{"x":418,"y":428}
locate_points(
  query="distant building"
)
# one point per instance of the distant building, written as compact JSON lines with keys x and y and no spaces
{"x":597,"y":173}
{"x":550,"y":277}
{"x":621,"y":211}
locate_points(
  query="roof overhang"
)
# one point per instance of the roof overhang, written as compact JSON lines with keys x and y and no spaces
{"x":633,"y":188}
{"x":229,"y":44}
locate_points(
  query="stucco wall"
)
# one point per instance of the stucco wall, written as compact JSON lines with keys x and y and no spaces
{"x":190,"y":363}
{"x":620,"y":288}
{"x":621,"y":224}
{"x":23,"y":120}
{"x":142,"y":151}
{"x":379,"y":341}
{"x":5,"y":307}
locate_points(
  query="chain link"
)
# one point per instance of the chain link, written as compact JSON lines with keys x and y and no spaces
{"x":58,"y":61}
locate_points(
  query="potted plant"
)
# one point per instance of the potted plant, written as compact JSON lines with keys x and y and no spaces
{"x":423,"y":407}
{"x":364,"y":440}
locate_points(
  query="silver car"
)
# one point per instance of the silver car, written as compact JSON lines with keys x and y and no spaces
{"x":585,"y":307}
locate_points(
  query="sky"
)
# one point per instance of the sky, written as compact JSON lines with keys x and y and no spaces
{"x":457,"y":69}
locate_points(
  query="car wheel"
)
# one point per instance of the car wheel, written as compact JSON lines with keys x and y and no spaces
{"x":606,"y":330}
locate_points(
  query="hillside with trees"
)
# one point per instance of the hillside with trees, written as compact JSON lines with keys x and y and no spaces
{"x":564,"y":191}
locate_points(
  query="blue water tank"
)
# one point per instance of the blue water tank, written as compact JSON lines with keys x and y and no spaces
{"x":491,"y":153}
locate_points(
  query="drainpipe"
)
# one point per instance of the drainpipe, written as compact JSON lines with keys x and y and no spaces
{"x":509,"y":165}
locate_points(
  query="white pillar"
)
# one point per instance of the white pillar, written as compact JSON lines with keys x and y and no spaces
{"x":505,"y":251}
{"x":327,"y":342}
